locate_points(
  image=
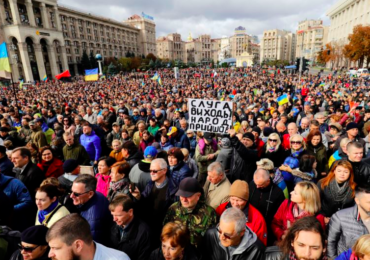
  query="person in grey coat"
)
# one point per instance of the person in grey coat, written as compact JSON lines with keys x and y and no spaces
{"x":347,"y":225}
{"x":224,"y":157}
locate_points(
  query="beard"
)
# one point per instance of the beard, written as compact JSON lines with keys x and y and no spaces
{"x":71,"y":256}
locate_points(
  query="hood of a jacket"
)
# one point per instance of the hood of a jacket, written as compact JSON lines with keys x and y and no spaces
{"x":138,"y":155}
{"x":144,"y":166}
{"x":248,"y":239}
{"x":36,"y":129}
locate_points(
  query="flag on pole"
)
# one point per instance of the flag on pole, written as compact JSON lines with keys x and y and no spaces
{"x":283,"y":99}
{"x":45,"y":78}
{"x":4,"y":58}
{"x":92,"y":75}
{"x":64,"y":74}
{"x":155,"y":77}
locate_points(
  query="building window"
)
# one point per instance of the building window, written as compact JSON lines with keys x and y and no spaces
{"x":77,"y":51}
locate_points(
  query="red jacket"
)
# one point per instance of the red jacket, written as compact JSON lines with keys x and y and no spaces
{"x":286,"y":142}
{"x":285,"y":214}
{"x":55,"y":169}
{"x":260,"y":144}
{"x":255,"y":220}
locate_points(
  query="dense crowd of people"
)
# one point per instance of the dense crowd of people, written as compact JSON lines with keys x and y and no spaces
{"x":111,"y":169}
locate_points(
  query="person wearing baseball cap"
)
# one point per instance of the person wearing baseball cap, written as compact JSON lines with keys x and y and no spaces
{"x":239,"y":197}
{"x":140,"y":173}
{"x":178,"y":138}
{"x":192,"y":211}
{"x":33,"y":244}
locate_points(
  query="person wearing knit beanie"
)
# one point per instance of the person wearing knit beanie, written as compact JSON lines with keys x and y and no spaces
{"x":239,"y":189}
{"x":239,"y":197}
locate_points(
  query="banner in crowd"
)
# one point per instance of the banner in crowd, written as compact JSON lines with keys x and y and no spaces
{"x":210,"y":115}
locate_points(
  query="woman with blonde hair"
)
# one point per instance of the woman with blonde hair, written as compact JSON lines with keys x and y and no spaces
{"x":244,"y":128}
{"x":297,"y":150}
{"x":273,"y":150}
{"x":359,"y":251}
{"x":304,"y":201}
{"x":337,"y":190}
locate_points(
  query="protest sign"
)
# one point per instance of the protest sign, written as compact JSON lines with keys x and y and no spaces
{"x":210,"y":115}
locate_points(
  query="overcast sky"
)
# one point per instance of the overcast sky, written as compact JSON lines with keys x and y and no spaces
{"x":215,"y":17}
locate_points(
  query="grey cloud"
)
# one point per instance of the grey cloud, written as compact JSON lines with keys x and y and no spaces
{"x":217,"y":18}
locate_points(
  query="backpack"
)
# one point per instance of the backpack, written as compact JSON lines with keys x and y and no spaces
{"x":9,"y":240}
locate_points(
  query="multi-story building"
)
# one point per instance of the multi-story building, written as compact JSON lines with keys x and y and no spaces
{"x":311,"y":37}
{"x":345,"y":15}
{"x":240,"y":42}
{"x":147,"y":35}
{"x":44,"y":38}
{"x":171,"y":47}
{"x":199,"y":49}
{"x":205,"y":49}
{"x":278,"y":45}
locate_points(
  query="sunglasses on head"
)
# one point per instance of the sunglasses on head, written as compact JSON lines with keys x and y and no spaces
{"x":26,"y":249}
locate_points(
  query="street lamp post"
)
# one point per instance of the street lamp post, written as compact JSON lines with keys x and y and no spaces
{"x":99,"y":58}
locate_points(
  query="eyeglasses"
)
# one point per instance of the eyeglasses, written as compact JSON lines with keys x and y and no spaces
{"x":155,"y":171}
{"x":296,"y":142}
{"x":79,"y":194}
{"x":227,"y":236}
{"x":27,"y":249}
{"x":273,"y":140}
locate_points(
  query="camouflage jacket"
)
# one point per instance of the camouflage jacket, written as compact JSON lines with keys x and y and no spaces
{"x":198,"y":221}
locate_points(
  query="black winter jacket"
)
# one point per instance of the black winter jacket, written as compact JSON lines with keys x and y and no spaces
{"x":361,"y":171}
{"x":277,"y":157}
{"x":136,"y":243}
{"x":243,"y":162}
{"x":31,"y":176}
{"x":328,"y":205}
{"x":250,"y":248}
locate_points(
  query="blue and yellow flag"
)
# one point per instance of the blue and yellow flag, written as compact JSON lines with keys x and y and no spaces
{"x":283,"y":99}
{"x":45,"y":78}
{"x":21,"y":84}
{"x":155,"y":77}
{"x":159,"y":80}
{"x":91,"y":75}
{"x":4,"y":58}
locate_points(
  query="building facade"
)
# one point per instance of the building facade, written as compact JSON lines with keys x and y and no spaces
{"x":278,"y":45}
{"x":345,"y":15}
{"x":311,"y":38}
{"x":44,"y":38}
{"x":171,"y":47}
{"x":198,"y":50}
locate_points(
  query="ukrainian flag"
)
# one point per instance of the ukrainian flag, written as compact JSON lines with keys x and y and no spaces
{"x":91,"y":75}
{"x":159,"y":80}
{"x":155,"y":77}
{"x":4,"y":59}
{"x":283,"y":99}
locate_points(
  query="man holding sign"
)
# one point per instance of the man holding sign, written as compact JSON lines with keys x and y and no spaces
{"x":210,"y":115}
